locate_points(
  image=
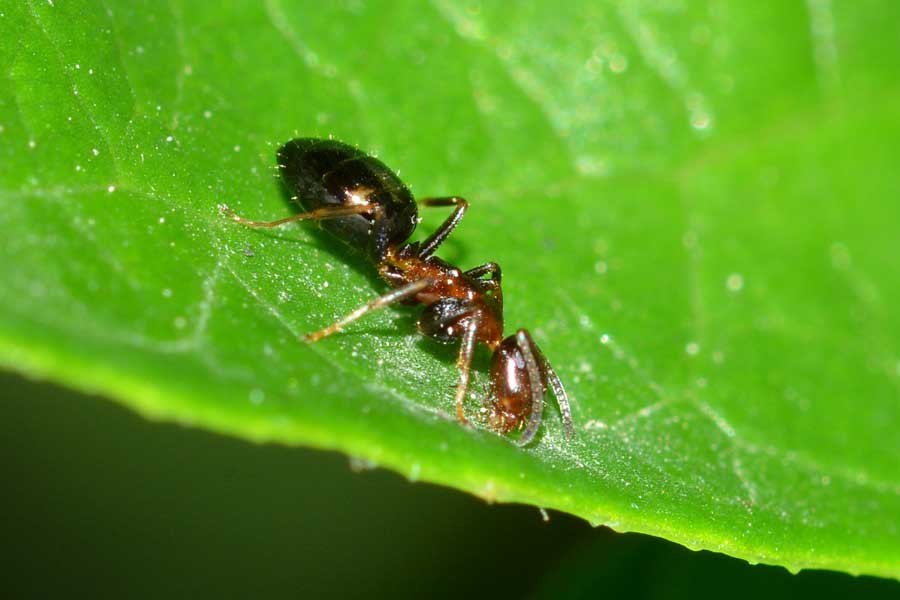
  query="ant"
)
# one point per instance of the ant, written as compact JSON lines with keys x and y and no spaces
{"x":358,"y":199}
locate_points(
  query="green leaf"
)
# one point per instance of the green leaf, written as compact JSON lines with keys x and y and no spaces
{"x":694,"y":205}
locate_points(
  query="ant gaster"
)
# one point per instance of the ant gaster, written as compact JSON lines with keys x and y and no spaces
{"x":358,"y":199}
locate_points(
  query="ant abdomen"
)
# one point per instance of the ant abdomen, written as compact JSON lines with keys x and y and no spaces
{"x":330,"y":174}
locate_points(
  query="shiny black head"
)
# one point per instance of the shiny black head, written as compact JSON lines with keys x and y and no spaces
{"x":320,"y":173}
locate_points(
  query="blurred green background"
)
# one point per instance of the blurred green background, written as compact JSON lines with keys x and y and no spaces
{"x":101,"y":503}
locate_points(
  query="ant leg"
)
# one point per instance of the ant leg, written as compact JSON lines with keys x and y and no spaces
{"x":493,"y":284}
{"x":562,"y":398}
{"x":430,"y":244}
{"x":326,"y":212}
{"x":466,"y":350}
{"x":488,"y":268}
{"x":396,"y":295}
{"x":526,"y":346}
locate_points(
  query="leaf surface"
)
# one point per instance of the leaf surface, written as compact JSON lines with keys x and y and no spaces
{"x":694,"y":205}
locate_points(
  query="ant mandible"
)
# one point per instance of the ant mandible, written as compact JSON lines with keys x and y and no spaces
{"x":362,"y":202}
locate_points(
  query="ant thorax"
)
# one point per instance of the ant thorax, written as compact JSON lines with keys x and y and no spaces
{"x":452,"y":298}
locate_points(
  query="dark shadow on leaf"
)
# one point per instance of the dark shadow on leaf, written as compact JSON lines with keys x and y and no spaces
{"x":449,"y":352}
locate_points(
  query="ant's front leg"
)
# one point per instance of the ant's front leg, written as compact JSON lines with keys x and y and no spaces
{"x":492,"y":284}
{"x":430,"y":244}
{"x":463,"y":365}
{"x":488,"y":268}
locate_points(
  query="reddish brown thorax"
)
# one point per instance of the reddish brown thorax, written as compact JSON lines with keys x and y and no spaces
{"x":448,"y":281}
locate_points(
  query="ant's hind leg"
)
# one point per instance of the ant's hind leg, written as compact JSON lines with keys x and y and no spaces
{"x":463,"y":364}
{"x":326,"y":212}
{"x":396,"y":295}
{"x":430,"y":244}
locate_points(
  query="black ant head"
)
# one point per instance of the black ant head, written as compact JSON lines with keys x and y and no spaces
{"x":445,"y":320}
